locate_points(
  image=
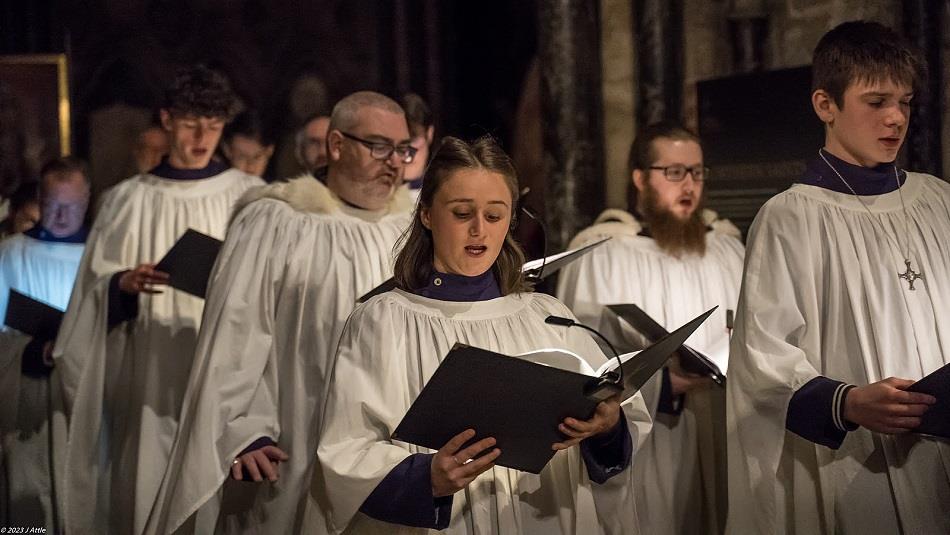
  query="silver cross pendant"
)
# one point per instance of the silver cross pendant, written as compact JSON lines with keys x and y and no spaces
{"x":910,"y":275}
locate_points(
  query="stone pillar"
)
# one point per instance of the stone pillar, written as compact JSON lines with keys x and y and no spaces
{"x":748,"y":29}
{"x":617,"y":61}
{"x":922,"y":25}
{"x":569,"y":63}
{"x":658,"y":27}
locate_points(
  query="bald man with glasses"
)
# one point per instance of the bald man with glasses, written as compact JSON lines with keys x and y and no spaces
{"x":298,"y":254}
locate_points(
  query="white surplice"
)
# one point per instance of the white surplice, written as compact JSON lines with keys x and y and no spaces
{"x":391,"y":346}
{"x":676,"y":470}
{"x":294,"y":264}
{"x":45,"y":271}
{"x":821,"y":296}
{"x":123,"y":389}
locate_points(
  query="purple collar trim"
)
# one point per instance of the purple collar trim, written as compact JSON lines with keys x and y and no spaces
{"x":165,"y":170}
{"x":876,"y":180}
{"x":452,"y":287}
{"x":40,"y":233}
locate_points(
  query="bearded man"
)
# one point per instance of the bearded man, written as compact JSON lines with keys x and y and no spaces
{"x":674,"y":260}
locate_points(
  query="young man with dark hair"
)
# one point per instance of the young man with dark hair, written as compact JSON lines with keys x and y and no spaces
{"x":844,"y":299}
{"x":674,"y":260}
{"x":124,"y":352}
{"x":297,"y":257}
{"x":40,"y":263}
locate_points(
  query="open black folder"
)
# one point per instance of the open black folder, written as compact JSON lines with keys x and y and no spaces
{"x":32,"y":317}
{"x":520,"y":402}
{"x":552,"y":264}
{"x":691,"y":360}
{"x":936,"y":421}
{"x":189,"y":262}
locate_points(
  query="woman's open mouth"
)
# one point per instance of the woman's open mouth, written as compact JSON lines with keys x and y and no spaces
{"x":475,"y":250}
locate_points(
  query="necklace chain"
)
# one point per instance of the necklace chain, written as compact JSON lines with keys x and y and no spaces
{"x":909,"y":275}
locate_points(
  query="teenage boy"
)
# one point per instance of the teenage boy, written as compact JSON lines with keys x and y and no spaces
{"x":125,"y":349}
{"x":843,"y":306}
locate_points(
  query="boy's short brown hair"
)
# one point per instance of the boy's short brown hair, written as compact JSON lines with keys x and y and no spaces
{"x":864,"y":52}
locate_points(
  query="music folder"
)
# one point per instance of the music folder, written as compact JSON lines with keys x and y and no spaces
{"x":32,"y":317}
{"x":936,"y":421}
{"x":189,"y":262}
{"x":552,"y":264}
{"x":520,"y":402}
{"x":691,"y":360}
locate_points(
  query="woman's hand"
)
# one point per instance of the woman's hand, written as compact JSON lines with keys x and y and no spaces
{"x":142,"y":279}
{"x":454,"y":468}
{"x":605,"y":418}
{"x":260,"y":463}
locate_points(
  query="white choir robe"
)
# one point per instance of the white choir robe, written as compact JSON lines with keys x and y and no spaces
{"x":123,"y":389}
{"x":295,"y":262}
{"x":391,"y":346}
{"x":821,"y":296}
{"x":678,"y":470}
{"x":44,"y":271}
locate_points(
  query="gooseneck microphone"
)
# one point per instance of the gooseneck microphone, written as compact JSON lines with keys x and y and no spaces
{"x":568,"y":322}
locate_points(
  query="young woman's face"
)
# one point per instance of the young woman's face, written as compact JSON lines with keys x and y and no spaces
{"x":469,"y":219}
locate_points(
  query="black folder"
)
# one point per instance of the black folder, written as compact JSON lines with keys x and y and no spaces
{"x":691,"y":360}
{"x":32,"y":317}
{"x":936,"y":421}
{"x":189,"y":262}
{"x":517,"y":401}
{"x":552,"y":264}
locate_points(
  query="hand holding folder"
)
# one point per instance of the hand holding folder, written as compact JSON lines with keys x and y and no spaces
{"x":520,"y":401}
{"x":936,"y":421}
{"x":691,"y":360}
{"x":189,"y":262}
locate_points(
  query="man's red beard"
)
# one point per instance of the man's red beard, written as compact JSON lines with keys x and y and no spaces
{"x":675,"y":236}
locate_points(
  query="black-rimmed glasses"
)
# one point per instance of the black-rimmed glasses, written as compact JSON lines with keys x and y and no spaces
{"x":380,"y":150}
{"x":677,"y":172}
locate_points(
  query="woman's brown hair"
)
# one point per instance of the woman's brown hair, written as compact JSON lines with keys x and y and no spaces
{"x":414,"y":261}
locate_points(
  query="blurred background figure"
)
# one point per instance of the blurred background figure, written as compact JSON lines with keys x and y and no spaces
{"x":422,"y":130}
{"x":248,"y":144}
{"x":311,"y":143}
{"x":150,"y":146}
{"x":24,"y":210}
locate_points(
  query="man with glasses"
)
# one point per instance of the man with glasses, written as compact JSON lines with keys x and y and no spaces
{"x":40,"y":263}
{"x":297,"y":257}
{"x":674,"y":260}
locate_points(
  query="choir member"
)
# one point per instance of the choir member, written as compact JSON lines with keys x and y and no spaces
{"x":843,"y":306}
{"x":674,"y":260}
{"x":459,"y":279}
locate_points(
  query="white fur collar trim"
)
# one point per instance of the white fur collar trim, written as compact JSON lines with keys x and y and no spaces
{"x":614,"y":222}
{"x":307,"y":194}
